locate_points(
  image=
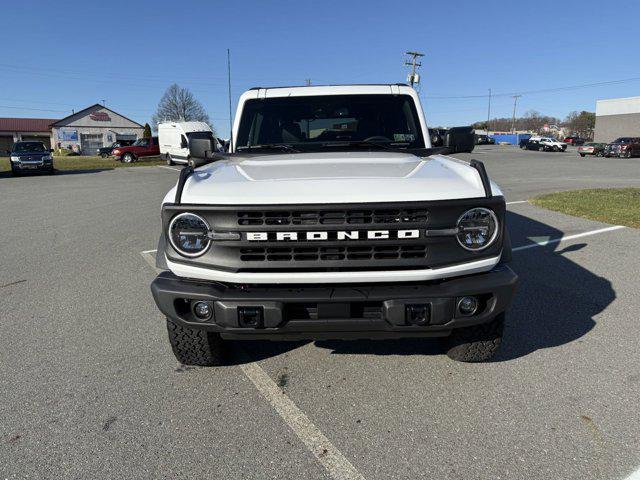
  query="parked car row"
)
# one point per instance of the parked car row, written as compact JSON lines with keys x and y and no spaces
{"x":543,"y":144}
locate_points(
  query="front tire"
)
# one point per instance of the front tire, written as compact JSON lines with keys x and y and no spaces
{"x":170,"y":160}
{"x":194,"y":346}
{"x":104,"y":155}
{"x":128,"y":158}
{"x":582,"y":155}
{"x":477,"y":343}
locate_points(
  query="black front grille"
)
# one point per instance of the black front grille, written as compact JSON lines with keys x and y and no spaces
{"x":355,"y":253}
{"x":334,"y":217}
{"x":314,"y":254}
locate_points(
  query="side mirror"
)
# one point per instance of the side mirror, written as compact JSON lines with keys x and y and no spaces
{"x":460,"y":139}
{"x":202,"y":148}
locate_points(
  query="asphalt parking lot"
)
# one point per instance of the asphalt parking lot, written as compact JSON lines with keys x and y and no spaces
{"x":90,"y":389}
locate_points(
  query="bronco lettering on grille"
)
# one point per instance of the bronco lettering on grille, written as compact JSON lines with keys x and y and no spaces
{"x":332,"y":235}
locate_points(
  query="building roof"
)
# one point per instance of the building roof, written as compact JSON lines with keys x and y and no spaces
{"x":617,"y":106}
{"x":89,"y":108}
{"x":26,"y":124}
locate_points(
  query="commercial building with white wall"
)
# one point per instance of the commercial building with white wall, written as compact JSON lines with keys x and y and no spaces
{"x":617,"y":117}
{"x":94,"y":127}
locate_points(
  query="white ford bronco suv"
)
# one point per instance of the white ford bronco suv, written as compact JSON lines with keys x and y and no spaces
{"x":331,"y":217}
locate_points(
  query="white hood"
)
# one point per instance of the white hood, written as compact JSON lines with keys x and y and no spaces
{"x":332,"y":177}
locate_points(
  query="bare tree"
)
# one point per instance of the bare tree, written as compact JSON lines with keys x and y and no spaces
{"x":179,"y":104}
{"x":581,"y":123}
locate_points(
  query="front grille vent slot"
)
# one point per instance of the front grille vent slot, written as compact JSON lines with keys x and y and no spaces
{"x":333,"y":217}
{"x":314,"y":254}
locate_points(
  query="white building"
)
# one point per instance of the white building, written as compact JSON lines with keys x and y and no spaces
{"x":617,"y":117}
{"x":94,"y":127}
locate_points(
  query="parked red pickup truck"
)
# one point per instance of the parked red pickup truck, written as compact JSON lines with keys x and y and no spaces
{"x":143,"y":147}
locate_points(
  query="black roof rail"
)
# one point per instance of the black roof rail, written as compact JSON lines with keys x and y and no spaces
{"x":184,"y":174}
{"x":333,"y":85}
{"x":479,"y":166}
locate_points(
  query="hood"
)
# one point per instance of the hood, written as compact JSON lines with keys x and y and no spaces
{"x":332,"y":177}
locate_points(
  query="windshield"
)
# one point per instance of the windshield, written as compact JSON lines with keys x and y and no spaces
{"x":320,"y":121}
{"x":23,"y":147}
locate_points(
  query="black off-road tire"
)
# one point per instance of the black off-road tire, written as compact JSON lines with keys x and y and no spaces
{"x":478,"y":343}
{"x":194,"y":346}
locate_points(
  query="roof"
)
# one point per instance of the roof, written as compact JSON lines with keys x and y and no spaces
{"x":89,"y":108}
{"x":26,"y":124}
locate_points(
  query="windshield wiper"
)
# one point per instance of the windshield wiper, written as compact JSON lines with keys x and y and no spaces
{"x":283,"y":147}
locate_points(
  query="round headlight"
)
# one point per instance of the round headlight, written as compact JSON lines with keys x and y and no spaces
{"x":477,"y":229}
{"x":188,"y":234}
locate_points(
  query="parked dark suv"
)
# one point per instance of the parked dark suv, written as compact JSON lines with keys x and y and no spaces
{"x":31,"y":157}
{"x":623,"y":147}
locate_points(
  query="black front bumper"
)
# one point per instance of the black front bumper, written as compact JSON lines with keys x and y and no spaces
{"x":31,"y":167}
{"x":334,"y":312}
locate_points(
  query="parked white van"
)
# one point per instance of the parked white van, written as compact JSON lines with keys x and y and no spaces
{"x":174,"y":139}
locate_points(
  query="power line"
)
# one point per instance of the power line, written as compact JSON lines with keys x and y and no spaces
{"x":532,"y":92}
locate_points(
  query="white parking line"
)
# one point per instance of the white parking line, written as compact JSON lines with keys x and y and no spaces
{"x":335,"y":463}
{"x":568,"y":237}
{"x":168,"y":168}
{"x":634,"y":476}
{"x":325,"y":452}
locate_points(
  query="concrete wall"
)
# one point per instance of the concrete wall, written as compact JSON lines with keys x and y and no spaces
{"x":610,"y":127}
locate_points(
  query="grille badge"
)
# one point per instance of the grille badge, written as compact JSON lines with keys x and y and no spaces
{"x":339,"y":235}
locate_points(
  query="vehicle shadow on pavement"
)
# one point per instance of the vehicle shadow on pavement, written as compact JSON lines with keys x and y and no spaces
{"x":248,"y":351}
{"x":56,"y":174}
{"x":557,"y":298}
{"x":555,"y":304}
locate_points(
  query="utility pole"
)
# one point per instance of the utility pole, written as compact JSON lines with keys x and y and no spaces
{"x":489,"y":113}
{"x":307,"y":81}
{"x":229,"y":81}
{"x":513,"y":119}
{"x":413,"y":77}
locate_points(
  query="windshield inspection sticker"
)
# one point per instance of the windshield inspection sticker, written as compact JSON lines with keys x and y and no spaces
{"x":404,"y":137}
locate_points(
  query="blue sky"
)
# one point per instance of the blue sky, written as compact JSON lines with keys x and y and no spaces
{"x":67,"y":54}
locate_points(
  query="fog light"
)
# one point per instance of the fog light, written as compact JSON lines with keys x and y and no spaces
{"x":203,"y":310}
{"x":467,"y":306}
{"x":417,"y":314}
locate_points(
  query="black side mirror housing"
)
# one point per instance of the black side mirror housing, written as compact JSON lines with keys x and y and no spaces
{"x":202,"y":148}
{"x":460,"y":139}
